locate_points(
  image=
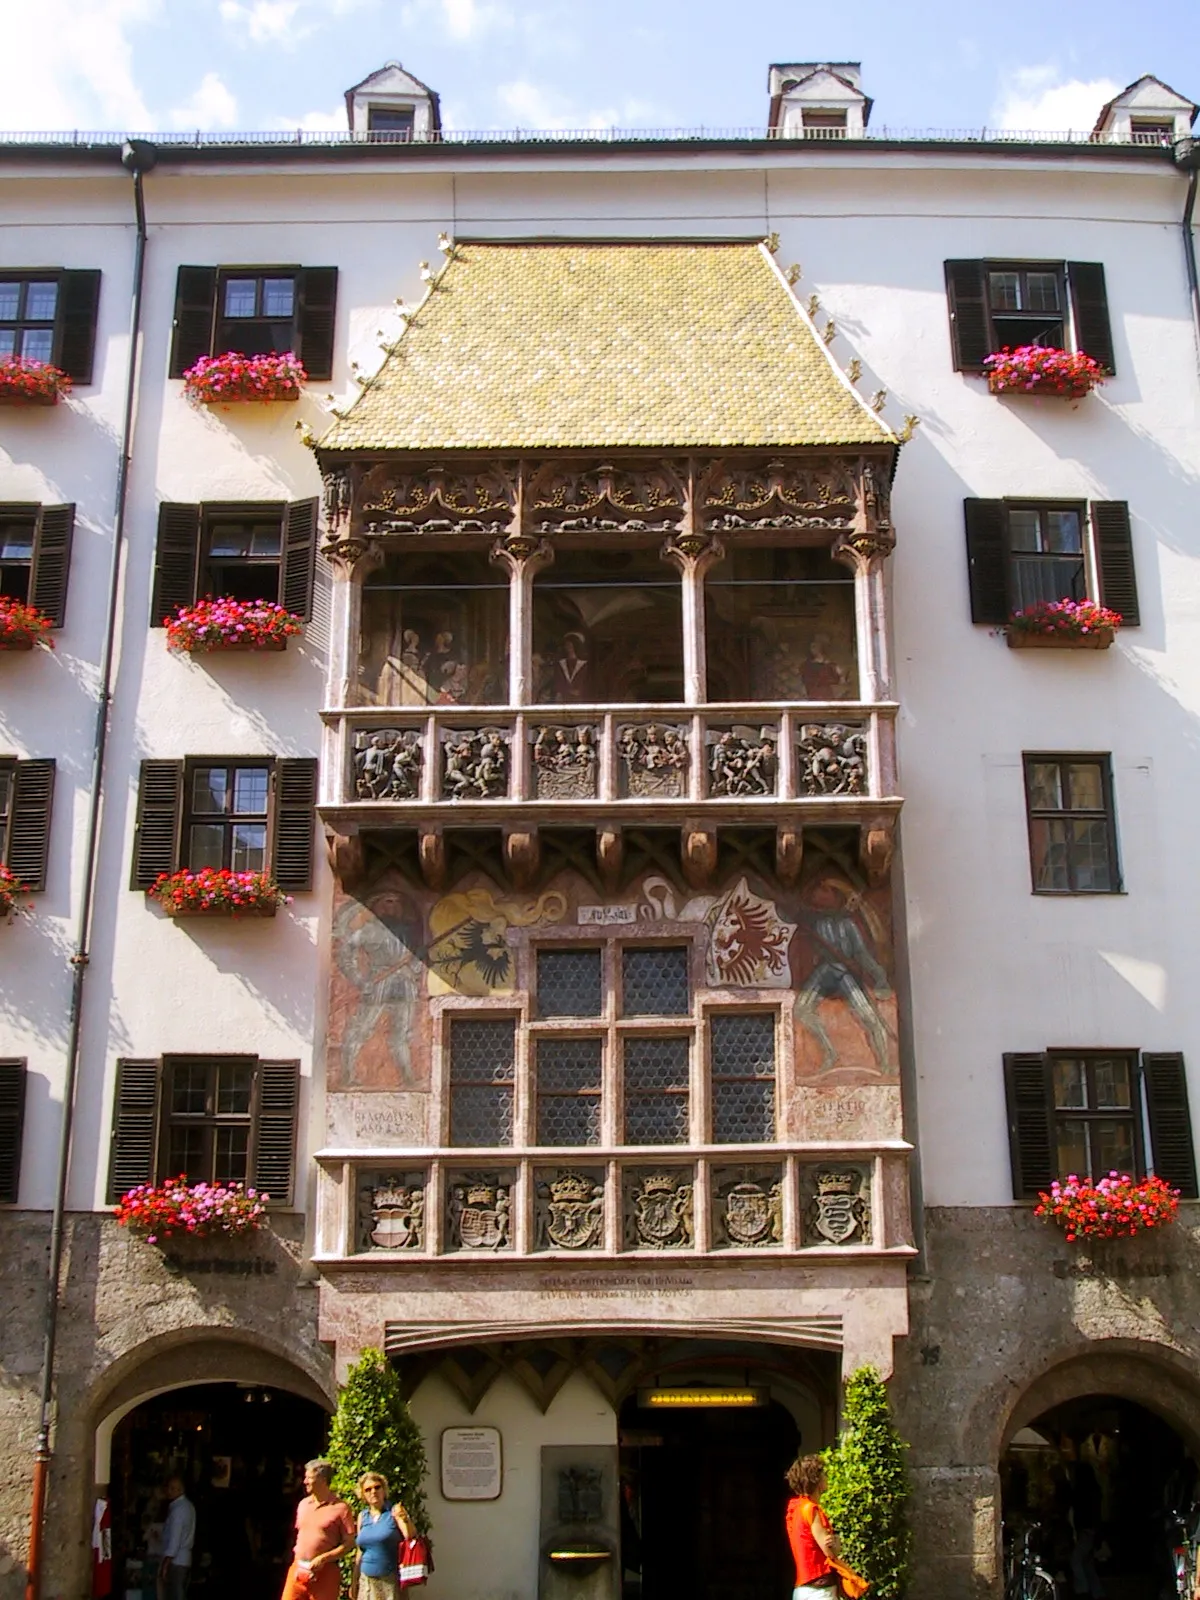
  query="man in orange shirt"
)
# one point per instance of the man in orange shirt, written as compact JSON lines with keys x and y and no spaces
{"x":324,"y":1533}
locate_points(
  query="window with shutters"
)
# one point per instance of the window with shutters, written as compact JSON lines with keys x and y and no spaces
{"x":240,"y":551}
{"x":211,"y":1118}
{"x":246,"y":813}
{"x":50,"y":316}
{"x":255,"y":310}
{"x":26,"y":796}
{"x":35,"y":556}
{"x":1023,"y":551}
{"x":12,"y":1121}
{"x":998,"y":305}
{"x":1072,"y":825}
{"x":1090,"y":1112}
{"x":18,"y":533}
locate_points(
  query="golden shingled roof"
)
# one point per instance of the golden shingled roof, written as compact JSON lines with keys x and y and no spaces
{"x":544,"y":346}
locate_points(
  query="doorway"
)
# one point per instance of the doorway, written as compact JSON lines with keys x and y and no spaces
{"x":1097,"y":1480}
{"x":240,"y":1450}
{"x":703,"y":1501}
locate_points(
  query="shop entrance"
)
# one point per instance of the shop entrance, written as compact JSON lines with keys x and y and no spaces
{"x":703,"y":1501}
{"x":1100,"y":1477}
{"x":240,"y":1451}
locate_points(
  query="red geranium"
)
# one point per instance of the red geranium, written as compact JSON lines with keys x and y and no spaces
{"x":1117,"y":1207}
{"x":14,"y":897}
{"x":213,"y":889}
{"x":32,"y":382}
{"x":1071,"y":618}
{"x":233,"y":376}
{"x":225,"y":624}
{"x":19,"y":621}
{"x":200,"y":1209}
{"x":1032,"y":369}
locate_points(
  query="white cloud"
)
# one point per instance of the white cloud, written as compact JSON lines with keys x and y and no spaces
{"x":263,"y":21}
{"x":1039,"y":100}
{"x":528,"y":105}
{"x":463,"y":20}
{"x":212,"y":106}
{"x":314,"y":121}
{"x":75,"y":64}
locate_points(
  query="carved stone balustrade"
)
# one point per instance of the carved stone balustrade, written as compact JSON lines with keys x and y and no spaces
{"x":500,"y":1204}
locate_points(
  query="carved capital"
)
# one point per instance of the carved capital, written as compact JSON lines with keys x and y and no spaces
{"x":346,"y":857}
{"x":519,"y":552}
{"x":859,"y":547}
{"x":872,"y":537}
{"x":692,"y":550}
{"x":352,"y":559}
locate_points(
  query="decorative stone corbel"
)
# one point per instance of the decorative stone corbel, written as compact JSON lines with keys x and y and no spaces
{"x":789,"y":855}
{"x":610,"y":857}
{"x":698,"y":852}
{"x":876,"y":844}
{"x":522,"y":553}
{"x":346,"y":857}
{"x":431,"y":852}
{"x":871,"y":538}
{"x":522,"y":856}
{"x":691,"y":550}
{"x":352,"y":559}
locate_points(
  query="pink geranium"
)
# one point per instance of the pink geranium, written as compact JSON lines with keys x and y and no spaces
{"x":213,"y":889}
{"x":176,"y":1206}
{"x":215,"y":380}
{"x":1069,"y":618}
{"x":1117,"y":1207}
{"x":34,"y":383}
{"x":224,"y":624}
{"x":1032,"y":369}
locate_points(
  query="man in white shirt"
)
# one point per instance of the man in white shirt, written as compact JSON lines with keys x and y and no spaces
{"x":179,"y":1535}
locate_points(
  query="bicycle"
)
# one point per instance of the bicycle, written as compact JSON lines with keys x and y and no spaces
{"x":1184,"y":1548}
{"x":1024,"y":1576}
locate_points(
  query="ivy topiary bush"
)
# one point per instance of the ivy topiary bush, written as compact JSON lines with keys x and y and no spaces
{"x":867,"y":1490}
{"x":373,"y":1431}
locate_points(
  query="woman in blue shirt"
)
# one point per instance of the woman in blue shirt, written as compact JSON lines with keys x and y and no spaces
{"x":380,"y":1530}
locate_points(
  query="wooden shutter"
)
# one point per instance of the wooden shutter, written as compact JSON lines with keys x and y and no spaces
{"x":295,"y":799}
{"x":195,"y":309}
{"x":1030,"y":1097}
{"x":1114,"y":559}
{"x":987,"y":559}
{"x":1171,"y":1148}
{"x":28,"y":849}
{"x":970,"y":329}
{"x":299,"y":557}
{"x":78,"y":304}
{"x":51,"y":566}
{"x":159,"y":817}
{"x":133,"y":1153}
{"x":275,"y":1130}
{"x":176,"y":561}
{"x":318,"y":305}
{"x":12,"y":1119}
{"x":1089,"y":311}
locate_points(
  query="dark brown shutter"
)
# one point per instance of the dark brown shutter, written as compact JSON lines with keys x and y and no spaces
{"x":987,"y":559}
{"x":318,"y":303}
{"x":78,"y":303}
{"x":176,"y":561}
{"x":1089,"y":310}
{"x":159,"y":815}
{"x":133,"y":1154}
{"x":970,"y":332}
{"x":299,"y":557}
{"x":295,"y":792}
{"x":12,"y":1119}
{"x":52,"y":562}
{"x":1030,"y":1097}
{"x":1171,"y":1149}
{"x":195,"y":307}
{"x":29,"y":821}
{"x":1114,"y":559}
{"x":275,"y":1130}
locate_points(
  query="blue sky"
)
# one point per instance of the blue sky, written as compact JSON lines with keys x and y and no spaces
{"x":149,"y":65}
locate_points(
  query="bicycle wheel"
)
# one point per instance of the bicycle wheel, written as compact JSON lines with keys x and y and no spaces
{"x":1038,"y":1585}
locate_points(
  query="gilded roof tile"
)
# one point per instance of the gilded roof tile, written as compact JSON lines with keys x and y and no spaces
{"x":582,"y":345}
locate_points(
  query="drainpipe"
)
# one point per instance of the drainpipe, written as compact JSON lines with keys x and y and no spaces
{"x":137,"y":157}
{"x":1187,"y":159}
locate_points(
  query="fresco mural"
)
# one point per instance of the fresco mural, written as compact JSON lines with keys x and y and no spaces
{"x":827,"y":943}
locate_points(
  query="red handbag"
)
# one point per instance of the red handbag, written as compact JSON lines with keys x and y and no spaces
{"x":416,"y":1562}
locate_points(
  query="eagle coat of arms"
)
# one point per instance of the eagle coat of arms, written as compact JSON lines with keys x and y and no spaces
{"x":576,"y":1210}
{"x":662,"y":1209}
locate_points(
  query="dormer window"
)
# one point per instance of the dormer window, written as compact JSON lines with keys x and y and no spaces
{"x":1152,"y":130}
{"x":824,"y":124}
{"x":391,"y":122}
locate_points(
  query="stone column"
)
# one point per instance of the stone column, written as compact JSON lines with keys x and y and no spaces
{"x":524,"y":556}
{"x":351,"y":558}
{"x":692,"y":553}
{"x":864,"y":547}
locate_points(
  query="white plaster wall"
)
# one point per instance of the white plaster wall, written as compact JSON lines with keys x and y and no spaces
{"x":505,"y":1528}
{"x":994,"y":968}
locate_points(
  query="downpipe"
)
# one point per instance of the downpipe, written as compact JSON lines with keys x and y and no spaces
{"x":1187,"y":159}
{"x":138,"y":157}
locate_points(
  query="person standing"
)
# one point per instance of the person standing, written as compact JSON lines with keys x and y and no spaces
{"x":179,"y":1535}
{"x":380,"y":1529}
{"x":819,"y":1573}
{"x":324,"y":1534}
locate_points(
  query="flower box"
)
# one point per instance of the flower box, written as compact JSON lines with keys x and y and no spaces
{"x":1097,"y":639}
{"x":233,"y":378}
{"x":175,"y":1209}
{"x":1116,"y":1207}
{"x":1031,"y":369}
{"x":12,"y":640}
{"x":225,"y":624}
{"x":218,"y":893}
{"x":22,"y":626}
{"x":14,"y":897}
{"x":31,"y":383}
{"x":1063,"y":625}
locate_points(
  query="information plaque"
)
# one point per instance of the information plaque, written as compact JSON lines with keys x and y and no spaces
{"x":471,"y":1465}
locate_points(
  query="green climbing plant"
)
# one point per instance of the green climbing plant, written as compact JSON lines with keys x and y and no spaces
{"x":373,"y":1431}
{"x":867,"y":1490}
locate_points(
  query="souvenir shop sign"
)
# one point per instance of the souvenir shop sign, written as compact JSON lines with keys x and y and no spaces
{"x":471,"y":1464}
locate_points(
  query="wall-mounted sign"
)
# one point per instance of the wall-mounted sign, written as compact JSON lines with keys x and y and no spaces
{"x":471,"y":1464}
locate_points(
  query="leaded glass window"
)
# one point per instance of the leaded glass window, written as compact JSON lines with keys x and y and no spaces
{"x":569,"y":983}
{"x":656,"y":1091}
{"x":655,"y":982}
{"x":742,"y":1057}
{"x":482,"y":1079}
{"x":568,"y":1091}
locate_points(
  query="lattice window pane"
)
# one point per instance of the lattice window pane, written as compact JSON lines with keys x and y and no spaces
{"x":568,"y":1089}
{"x":742,"y":1052}
{"x":656,"y":1091}
{"x":655,"y":982}
{"x":482,"y":1072}
{"x":569,"y":983}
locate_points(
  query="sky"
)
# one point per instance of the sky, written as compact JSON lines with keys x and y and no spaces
{"x":247,"y":65}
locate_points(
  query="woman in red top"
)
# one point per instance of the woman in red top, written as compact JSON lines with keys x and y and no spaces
{"x":813,"y":1541}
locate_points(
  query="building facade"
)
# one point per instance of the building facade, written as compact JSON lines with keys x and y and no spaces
{"x":720,"y":935}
